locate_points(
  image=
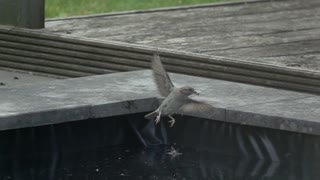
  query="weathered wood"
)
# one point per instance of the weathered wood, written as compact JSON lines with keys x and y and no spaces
{"x":22,"y":13}
{"x":42,"y":69}
{"x":273,"y":50}
{"x":174,"y":21}
{"x":135,"y":61}
{"x":202,"y":26}
{"x":241,"y":31}
{"x":123,"y":49}
{"x":305,"y":61}
{"x":202,"y":38}
{"x":245,"y":31}
{"x":53,"y":64}
{"x":20,"y":47}
{"x":107,"y":63}
{"x":215,"y":43}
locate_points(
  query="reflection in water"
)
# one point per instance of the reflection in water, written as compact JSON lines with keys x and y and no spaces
{"x":130,"y":147}
{"x":149,"y":163}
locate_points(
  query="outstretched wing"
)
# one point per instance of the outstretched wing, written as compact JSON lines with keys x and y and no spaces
{"x":193,"y":106}
{"x":161,"y":77}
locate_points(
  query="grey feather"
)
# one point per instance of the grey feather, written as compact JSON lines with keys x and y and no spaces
{"x":177,"y":99}
{"x":193,"y":106}
{"x":161,"y":77}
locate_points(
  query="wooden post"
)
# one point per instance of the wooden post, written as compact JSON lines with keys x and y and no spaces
{"x":22,"y":13}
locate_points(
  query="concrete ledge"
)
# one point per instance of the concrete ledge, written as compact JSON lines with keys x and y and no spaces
{"x":132,"y":92}
{"x":10,"y":78}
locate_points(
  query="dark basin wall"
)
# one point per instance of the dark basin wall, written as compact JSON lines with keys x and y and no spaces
{"x":134,"y":143}
{"x":134,"y":130}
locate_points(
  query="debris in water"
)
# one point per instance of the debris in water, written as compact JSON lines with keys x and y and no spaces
{"x":173,"y":152}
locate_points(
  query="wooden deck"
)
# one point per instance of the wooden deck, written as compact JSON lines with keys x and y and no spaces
{"x":282,"y":33}
{"x":270,"y":43}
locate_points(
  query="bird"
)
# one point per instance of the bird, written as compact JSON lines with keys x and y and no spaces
{"x":176,"y":100}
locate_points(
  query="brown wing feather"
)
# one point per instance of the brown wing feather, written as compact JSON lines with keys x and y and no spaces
{"x":192,"y":106}
{"x":161,"y":77}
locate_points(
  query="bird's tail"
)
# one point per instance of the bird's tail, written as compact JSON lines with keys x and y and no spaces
{"x":151,"y":115}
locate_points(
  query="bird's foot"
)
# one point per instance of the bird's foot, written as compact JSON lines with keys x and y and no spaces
{"x":157,"y":120}
{"x":172,"y":121}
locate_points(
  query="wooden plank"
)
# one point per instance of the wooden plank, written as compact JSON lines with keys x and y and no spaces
{"x":29,"y":42}
{"x":127,"y":49}
{"x":54,"y":64}
{"x":80,"y":52}
{"x":309,"y":61}
{"x":42,"y":69}
{"x":107,"y":63}
{"x":280,"y":49}
{"x":46,"y":47}
{"x":206,"y":33}
{"x":162,"y":23}
{"x":20,"y":13}
{"x":211,"y":44}
{"x":211,"y":30}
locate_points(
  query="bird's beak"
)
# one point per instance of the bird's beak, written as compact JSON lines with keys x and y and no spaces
{"x":195,"y":92}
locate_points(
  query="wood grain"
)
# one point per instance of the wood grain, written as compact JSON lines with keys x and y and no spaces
{"x":271,"y":43}
{"x":248,"y":31}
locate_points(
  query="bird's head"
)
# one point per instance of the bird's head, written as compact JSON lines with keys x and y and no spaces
{"x":187,"y":91}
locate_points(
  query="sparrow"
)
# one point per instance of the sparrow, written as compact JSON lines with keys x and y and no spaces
{"x":176,"y":99}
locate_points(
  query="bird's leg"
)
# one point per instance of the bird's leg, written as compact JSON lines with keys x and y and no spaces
{"x":172,"y":121}
{"x":158,"y":118}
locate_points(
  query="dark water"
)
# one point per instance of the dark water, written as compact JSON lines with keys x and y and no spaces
{"x":130,"y":147}
{"x":149,"y":163}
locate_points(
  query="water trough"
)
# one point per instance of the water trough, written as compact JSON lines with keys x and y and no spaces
{"x":94,"y":126}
